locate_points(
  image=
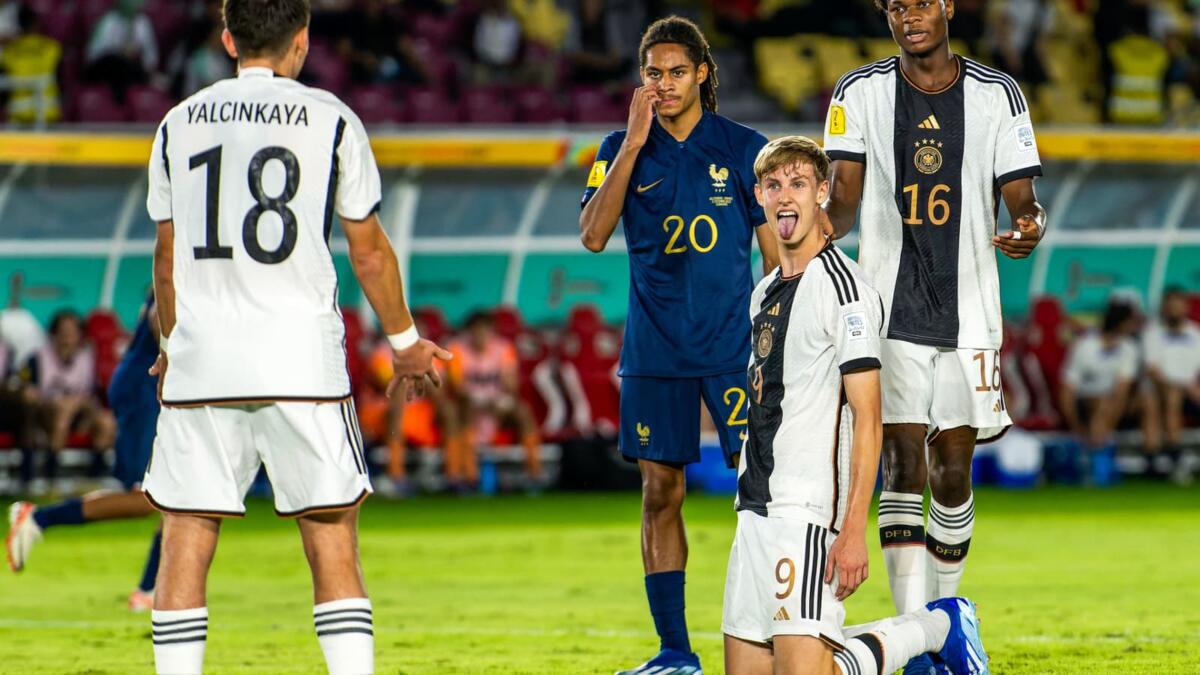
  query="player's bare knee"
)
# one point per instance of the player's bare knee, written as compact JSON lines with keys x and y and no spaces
{"x":950,"y":482}
{"x":904,"y":467}
{"x":662,"y":491}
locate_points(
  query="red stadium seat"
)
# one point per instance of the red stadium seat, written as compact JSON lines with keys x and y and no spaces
{"x":428,"y":105}
{"x":7,"y":440}
{"x":439,"y":31}
{"x":90,"y":12}
{"x":489,"y":105}
{"x":95,"y":103}
{"x":1194,"y":306}
{"x":326,"y":68}
{"x":431,"y":323}
{"x":538,"y":105}
{"x":148,"y":104}
{"x":58,"y":20}
{"x":1048,"y":335}
{"x":377,"y":104}
{"x":594,"y":105}
{"x":170,"y":19}
{"x":107,"y":336}
{"x":590,"y":351}
{"x":438,"y":64}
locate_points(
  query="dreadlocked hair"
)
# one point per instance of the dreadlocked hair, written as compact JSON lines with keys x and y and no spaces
{"x":683,"y":32}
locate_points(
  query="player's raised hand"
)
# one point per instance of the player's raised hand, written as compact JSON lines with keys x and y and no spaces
{"x":413,"y":366}
{"x":1020,"y":241}
{"x":641,"y":114}
{"x":848,"y":558}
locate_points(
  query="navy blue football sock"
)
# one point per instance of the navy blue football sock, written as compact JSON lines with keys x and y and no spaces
{"x":69,"y":512}
{"x":665,"y":592}
{"x":151,"y":572}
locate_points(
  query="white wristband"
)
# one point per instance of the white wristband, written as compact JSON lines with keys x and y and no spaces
{"x":404,"y":340}
{"x":162,"y":342}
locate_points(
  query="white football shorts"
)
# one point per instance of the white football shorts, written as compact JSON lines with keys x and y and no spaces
{"x":775,"y":584}
{"x":943,"y":388}
{"x":206,"y":457}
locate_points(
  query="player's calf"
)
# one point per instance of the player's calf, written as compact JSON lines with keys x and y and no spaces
{"x":342,"y":614}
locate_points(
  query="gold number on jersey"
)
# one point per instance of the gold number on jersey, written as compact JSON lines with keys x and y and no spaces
{"x":739,"y":395}
{"x":789,"y":578}
{"x":758,"y":384}
{"x":938,"y":210}
{"x":984,"y":385}
{"x":673,"y":244}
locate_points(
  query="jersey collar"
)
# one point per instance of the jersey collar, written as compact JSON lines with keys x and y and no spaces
{"x":255,"y":71}
{"x":663,"y":135}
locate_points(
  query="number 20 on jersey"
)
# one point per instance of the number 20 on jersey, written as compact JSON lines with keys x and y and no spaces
{"x":701,"y":227}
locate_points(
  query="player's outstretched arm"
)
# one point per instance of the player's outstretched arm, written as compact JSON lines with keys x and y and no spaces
{"x":848,"y":555}
{"x":602,"y":212}
{"x":1029,"y":219}
{"x":378,"y":273}
{"x":845,"y":193}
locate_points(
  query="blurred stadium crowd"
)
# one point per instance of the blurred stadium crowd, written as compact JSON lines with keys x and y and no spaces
{"x":514,"y":393}
{"x":545,"y":61}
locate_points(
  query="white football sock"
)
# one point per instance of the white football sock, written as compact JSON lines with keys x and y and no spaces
{"x":947,"y":541}
{"x":179,"y":639}
{"x":892,"y":642}
{"x":902,"y":536}
{"x":346,"y":633}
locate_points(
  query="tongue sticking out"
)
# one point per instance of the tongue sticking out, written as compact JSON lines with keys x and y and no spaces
{"x":787,"y":226}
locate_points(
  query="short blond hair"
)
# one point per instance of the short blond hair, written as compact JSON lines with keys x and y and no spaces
{"x":788,"y":151}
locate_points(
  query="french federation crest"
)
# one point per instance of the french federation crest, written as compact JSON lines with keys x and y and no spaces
{"x":719,"y":176}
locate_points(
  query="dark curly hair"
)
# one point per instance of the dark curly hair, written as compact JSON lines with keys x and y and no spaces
{"x":681,"y":31}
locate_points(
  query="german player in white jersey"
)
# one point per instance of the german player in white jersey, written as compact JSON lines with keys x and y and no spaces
{"x":807,"y":469}
{"x":245,"y":180}
{"x":926,"y":142}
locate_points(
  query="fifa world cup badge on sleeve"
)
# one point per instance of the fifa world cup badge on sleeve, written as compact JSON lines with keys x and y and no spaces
{"x":596,"y":176}
{"x":837,"y":120}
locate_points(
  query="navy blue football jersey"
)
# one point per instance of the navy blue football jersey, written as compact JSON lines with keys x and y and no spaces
{"x":689,"y":219}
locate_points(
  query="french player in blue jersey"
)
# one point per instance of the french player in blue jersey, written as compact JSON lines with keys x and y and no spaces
{"x":133,"y":396}
{"x":682,"y":180}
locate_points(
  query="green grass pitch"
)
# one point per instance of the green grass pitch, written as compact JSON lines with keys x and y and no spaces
{"x":1067,"y":581}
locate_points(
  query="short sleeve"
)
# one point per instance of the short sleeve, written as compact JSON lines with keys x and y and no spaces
{"x":1016,"y":148}
{"x":853,"y":318}
{"x":844,"y":125}
{"x":604,"y":158}
{"x":754,"y":213}
{"x":1076,"y":366}
{"x":359,"y":191}
{"x":1152,"y":348}
{"x":1128,"y":368}
{"x":158,"y":197}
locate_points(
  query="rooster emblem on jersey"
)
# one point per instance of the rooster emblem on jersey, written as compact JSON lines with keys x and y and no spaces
{"x":643,"y":434}
{"x":719,"y":176}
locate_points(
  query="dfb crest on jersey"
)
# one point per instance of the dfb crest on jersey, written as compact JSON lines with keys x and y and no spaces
{"x":928,"y":158}
{"x":719,"y":176}
{"x":766,"y":340}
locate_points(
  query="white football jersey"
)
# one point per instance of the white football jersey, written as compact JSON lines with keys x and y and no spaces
{"x":808,"y":331}
{"x":252,"y":171}
{"x":1174,"y":353}
{"x":935,"y":162}
{"x":1094,"y":370}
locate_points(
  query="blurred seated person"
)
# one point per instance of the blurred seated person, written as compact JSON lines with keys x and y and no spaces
{"x":426,"y":422}
{"x":200,"y":59}
{"x":9,"y":22}
{"x":1172,"y":359}
{"x":595,"y":48}
{"x":494,"y":43}
{"x":1097,"y":393}
{"x":18,"y":326}
{"x":485,"y":383}
{"x":32,"y":55}
{"x":380,"y":49}
{"x":60,"y":390}
{"x":123,"y":50}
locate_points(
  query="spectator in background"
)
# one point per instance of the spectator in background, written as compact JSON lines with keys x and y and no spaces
{"x":32,"y":55}
{"x":1172,"y":360}
{"x":201,"y":59}
{"x":18,"y":326}
{"x":9,"y":21}
{"x":380,"y":50}
{"x":596,"y":45}
{"x":12,"y":417}
{"x":1095,"y":394}
{"x":484,"y":380}
{"x":1016,"y":27}
{"x":122,"y":51}
{"x":494,"y":43}
{"x":60,"y":390}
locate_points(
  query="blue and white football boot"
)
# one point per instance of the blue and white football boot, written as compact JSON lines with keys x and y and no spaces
{"x":963,"y":652}
{"x":668,"y":662}
{"x":922,"y":664}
